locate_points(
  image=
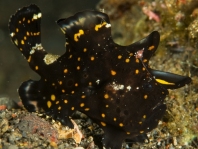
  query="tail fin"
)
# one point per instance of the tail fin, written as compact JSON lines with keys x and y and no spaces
{"x":24,"y":27}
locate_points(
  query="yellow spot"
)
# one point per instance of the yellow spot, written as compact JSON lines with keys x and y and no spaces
{"x":119,"y":56}
{"x":70,"y":56}
{"x":127,"y":60}
{"x":140,"y":123}
{"x":137,"y":60}
{"x":143,"y":68}
{"x":27,"y":33}
{"x":121,"y":125}
{"x":144,"y":116}
{"x":65,"y":101}
{"x":86,"y":109}
{"x":23,"y":19}
{"x":72,"y":92}
{"x":36,"y":67}
{"x":114,"y":119}
{"x":77,"y":35}
{"x":59,"y":108}
{"x":37,"y":33}
{"x":106,"y":106}
{"x":151,"y":47}
{"x":53,"y":84}
{"x":145,"y":60}
{"x":103,"y":115}
{"x":90,"y":83}
{"x":141,"y":131}
{"x":83,"y":96}
{"x":82,"y":105}
{"x":76,"y":84}
{"x":145,"y":96}
{"x":164,"y":82}
{"x":84,"y":50}
{"x":25,"y":38}
{"x":29,"y":59}
{"x":65,"y":71}
{"x":63,"y":90}
{"x":53,"y":97}
{"x":136,"y":71}
{"x":21,"y":49}
{"x":92,"y":58}
{"x":17,"y":30}
{"x":99,"y":26}
{"x":103,"y":123}
{"x":60,"y":82}
{"x":57,"y":102}
{"x":19,"y":22}
{"x":128,"y":133}
{"x":72,"y":108}
{"x":106,"y":96}
{"x":28,"y":21}
{"x":78,"y":68}
{"x":131,"y":54}
{"x":49,"y":104}
{"x":22,"y":42}
{"x":78,"y":58}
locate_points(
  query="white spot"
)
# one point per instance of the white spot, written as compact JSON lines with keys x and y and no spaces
{"x":39,"y":15}
{"x":37,"y":47}
{"x":128,"y":88}
{"x":117,"y":86}
{"x":108,"y":25}
{"x":32,"y":51}
{"x":97,"y":81}
{"x":139,"y":54}
{"x":137,"y":88}
{"x":102,"y":10}
{"x":35,"y":16}
{"x":16,"y":42}
{"x":12,"y":34}
{"x":50,"y":58}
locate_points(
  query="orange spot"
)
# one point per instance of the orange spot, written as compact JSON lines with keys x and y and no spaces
{"x":119,"y":56}
{"x":113,"y":73}
{"x":82,"y":105}
{"x":92,"y":58}
{"x":36,"y":67}
{"x":86,"y":109}
{"x":65,"y":71}
{"x":127,"y":60}
{"x":121,"y":125}
{"x":151,"y":47}
{"x":103,"y":123}
{"x":106,"y":96}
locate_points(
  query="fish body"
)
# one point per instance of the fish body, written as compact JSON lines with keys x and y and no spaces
{"x":110,"y":83}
